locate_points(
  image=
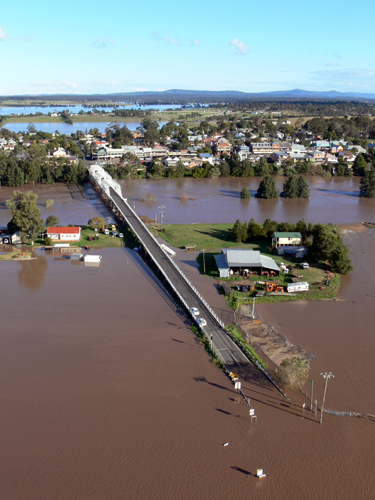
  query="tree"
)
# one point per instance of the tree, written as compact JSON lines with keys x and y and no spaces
{"x":291,"y":187}
{"x":340,"y":259}
{"x":303,"y":188}
{"x":52,"y":220}
{"x":254,"y":231}
{"x":367,"y":188}
{"x":245,"y":194}
{"x":26,"y":215}
{"x":359,"y":165}
{"x":294,"y":372}
{"x":267,"y":189}
{"x":239,"y":231}
{"x":96,"y":222}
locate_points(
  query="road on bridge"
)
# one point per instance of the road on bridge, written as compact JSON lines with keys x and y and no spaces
{"x":228,"y":350}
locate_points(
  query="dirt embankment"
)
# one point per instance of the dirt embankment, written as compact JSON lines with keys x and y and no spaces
{"x":263,"y":336}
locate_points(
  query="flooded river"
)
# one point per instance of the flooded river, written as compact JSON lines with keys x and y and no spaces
{"x":105,"y":393}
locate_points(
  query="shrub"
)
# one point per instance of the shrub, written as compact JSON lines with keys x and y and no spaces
{"x":293,"y":373}
{"x":245,"y":194}
{"x":48,"y":242}
{"x":49,"y":203}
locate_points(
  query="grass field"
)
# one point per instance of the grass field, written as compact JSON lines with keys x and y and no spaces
{"x":205,"y":236}
{"x":213,"y":237}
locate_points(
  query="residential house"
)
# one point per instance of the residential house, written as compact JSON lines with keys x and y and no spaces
{"x":63,"y":233}
{"x":59,"y":153}
{"x":286,"y":239}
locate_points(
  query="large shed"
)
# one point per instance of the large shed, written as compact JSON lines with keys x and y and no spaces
{"x":237,"y":260}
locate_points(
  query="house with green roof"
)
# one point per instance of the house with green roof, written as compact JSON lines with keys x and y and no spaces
{"x":286,"y":239}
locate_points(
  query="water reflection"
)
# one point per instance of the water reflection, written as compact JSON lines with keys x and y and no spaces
{"x":32,"y":273}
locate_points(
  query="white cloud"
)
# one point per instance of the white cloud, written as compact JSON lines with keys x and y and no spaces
{"x":196,"y":43}
{"x":73,"y":85}
{"x":165,"y":38}
{"x":102,"y":43}
{"x":332,"y":64}
{"x":242,"y":49}
{"x":3,"y":36}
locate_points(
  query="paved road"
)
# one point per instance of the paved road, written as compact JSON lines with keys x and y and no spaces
{"x":229,"y":352}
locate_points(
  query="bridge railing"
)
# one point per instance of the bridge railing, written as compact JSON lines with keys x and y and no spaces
{"x":188,"y":282}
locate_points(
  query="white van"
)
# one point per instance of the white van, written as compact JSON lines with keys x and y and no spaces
{"x":106,"y":231}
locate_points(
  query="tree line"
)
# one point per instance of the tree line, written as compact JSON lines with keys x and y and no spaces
{"x":324,"y":242}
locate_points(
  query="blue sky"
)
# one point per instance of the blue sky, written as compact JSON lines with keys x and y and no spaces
{"x":121,"y":46}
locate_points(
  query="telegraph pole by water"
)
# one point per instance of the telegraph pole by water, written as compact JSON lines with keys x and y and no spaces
{"x":326,"y":376}
{"x":161,"y":212}
{"x":312,"y":392}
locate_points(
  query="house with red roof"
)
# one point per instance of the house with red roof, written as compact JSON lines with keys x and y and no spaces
{"x":63,"y":233}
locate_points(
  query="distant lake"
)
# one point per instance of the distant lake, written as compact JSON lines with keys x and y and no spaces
{"x":65,"y":128}
{"x":26,"y":110}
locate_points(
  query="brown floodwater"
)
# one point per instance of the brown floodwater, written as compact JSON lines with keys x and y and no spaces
{"x":106,"y":394}
{"x":215,"y":200}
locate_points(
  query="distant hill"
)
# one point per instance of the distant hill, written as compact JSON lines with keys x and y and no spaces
{"x":206,"y":96}
{"x":283,"y":94}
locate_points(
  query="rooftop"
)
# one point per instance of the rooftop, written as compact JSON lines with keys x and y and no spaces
{"x":63,"y":230}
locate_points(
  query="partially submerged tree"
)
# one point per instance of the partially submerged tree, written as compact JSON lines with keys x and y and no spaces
{"x":367,"y":189}
{"x":290,"y":188}
{"x":245,"y":194}
{"x":26,"y":215}
{"x":267,"y":188}
{"x":293,"y":373}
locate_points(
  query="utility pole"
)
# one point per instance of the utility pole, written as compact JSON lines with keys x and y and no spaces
{"x":253,"y":308}
{"x":312,"y":392}
{"x":326,"y":376}
{"x":204,"y":262}
{"x":161,"y":212}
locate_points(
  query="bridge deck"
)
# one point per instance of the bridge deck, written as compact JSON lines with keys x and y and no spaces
{"x":229,"y":352}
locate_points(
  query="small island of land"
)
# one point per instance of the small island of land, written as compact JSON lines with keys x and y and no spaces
{"x":322,"y":274}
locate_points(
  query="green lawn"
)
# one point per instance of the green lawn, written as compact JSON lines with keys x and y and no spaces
{"x":104,"y":240}
{"x":205,"y":236}
{"x":213,"y":237}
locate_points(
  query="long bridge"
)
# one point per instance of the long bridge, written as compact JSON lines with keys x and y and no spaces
{"x":225,"y":348}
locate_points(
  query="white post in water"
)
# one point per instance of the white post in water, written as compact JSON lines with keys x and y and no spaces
{"x":326,"y":376}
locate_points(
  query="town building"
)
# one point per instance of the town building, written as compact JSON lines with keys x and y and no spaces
{"x":63,"y":233}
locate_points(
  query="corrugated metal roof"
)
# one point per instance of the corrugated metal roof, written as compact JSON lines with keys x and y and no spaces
{"x":248,"y":258}
{"x":287,"y":235}
{"x":220,"y":261}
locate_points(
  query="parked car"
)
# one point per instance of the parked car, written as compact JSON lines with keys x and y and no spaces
{"x":201,"y":322}
{"x":106,"y":231}
{"x":305,"y":265}
{"x":114,"y":233}
{"x":194,"y":311}
{"x":120,"y":235}
{"x":245,"y":288}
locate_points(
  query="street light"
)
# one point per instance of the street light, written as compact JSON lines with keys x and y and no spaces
{"x":326,"y":376}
